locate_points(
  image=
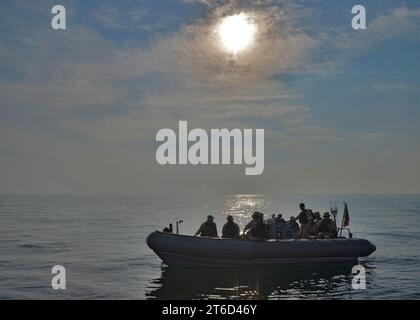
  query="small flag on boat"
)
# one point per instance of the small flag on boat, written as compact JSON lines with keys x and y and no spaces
{"x":346,"y":216}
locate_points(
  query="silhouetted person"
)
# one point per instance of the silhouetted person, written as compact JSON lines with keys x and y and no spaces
{"x":208,"y":228}
{"x":292,"y":228}
{"x":281,"y":227}
{"x":317,"y":217}
{"x":310,"y":229}
{"x":327,"y":227}
{"x":256,"y":229}
{"x":304,"y":216}
{"x":230,"y":229}
{"x":252,"y":223}
{"x":303,"y":219}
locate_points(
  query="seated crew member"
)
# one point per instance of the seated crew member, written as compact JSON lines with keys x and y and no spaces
{"x":292,"y":228}
{"x":327,"y":227}
{"x":317,"y":217}
{"x":230,"y":229}
{"x":256,"y":228}
{"x":208,"y":228}
{"x":281,"y":227}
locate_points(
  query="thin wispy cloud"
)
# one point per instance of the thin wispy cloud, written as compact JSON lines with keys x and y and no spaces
{"x":392,"y":87}
{"x":342,"y":45}
{"x":90,"y":92}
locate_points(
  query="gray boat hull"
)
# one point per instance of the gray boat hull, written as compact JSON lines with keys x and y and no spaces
{"x":181,"y":250}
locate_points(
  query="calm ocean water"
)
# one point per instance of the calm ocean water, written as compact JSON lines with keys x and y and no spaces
{"x":101,"y":242}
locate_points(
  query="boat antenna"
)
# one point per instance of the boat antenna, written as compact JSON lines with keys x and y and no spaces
{"x":177,"y":225}
{"x":334,"y":212}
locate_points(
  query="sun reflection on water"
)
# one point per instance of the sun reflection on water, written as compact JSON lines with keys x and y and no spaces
{"x":242,"y":206}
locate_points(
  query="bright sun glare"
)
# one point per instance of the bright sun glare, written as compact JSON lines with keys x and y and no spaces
{"x":236,"y":32}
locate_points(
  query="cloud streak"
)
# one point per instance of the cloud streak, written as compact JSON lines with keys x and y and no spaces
{"x":105,"y":99}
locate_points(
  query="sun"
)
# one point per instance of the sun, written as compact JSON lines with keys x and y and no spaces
{"x":236,"y":32}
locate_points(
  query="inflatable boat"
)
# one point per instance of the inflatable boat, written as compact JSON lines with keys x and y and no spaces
{"x":183,"y":250}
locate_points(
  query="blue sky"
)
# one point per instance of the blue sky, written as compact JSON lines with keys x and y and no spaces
{"x":80,"y":108}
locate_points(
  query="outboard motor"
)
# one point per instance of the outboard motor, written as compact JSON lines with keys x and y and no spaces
{"x":177,"y":225}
